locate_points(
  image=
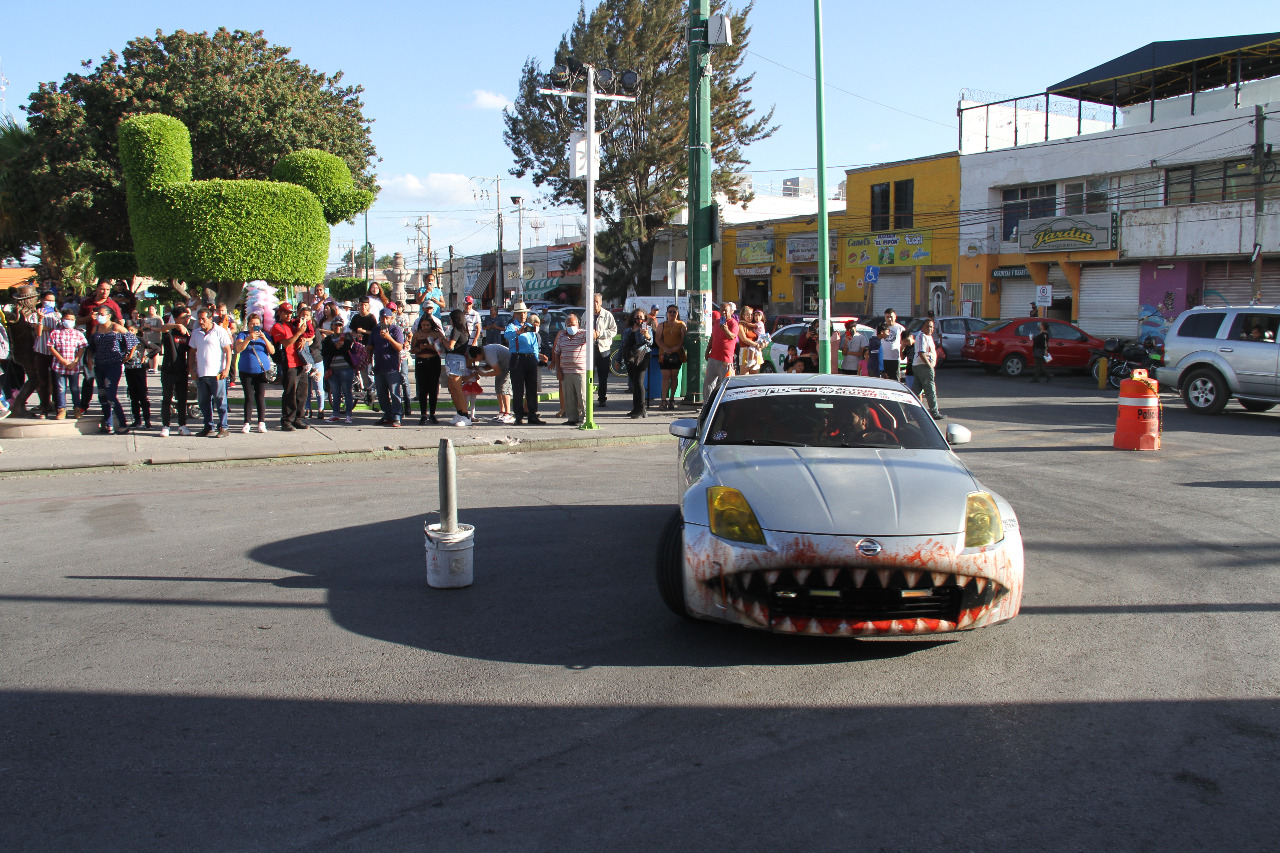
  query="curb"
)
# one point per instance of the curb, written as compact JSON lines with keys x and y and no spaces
{"x":116,"y":462}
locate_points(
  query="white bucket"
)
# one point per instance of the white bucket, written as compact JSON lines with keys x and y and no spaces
{"x":449,"y":556}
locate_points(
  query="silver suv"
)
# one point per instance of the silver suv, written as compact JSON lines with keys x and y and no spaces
{"x":1213,"y":354}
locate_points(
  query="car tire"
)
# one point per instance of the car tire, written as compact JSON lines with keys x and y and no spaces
{"x":1205,"y":393}
{"x":1257,"y":405}
{"x":670,"y":565}
{"x":1014,"y":366}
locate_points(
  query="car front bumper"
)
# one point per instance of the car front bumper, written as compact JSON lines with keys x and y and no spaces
{"x":824,"y":586}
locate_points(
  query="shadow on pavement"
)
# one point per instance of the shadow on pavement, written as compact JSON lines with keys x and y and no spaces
{"x":142,"y":773}
{"x":565,"y":585}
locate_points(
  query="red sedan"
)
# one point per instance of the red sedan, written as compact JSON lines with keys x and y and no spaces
{"x":1006,"y":346}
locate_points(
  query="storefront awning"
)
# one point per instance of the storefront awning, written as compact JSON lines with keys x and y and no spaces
{"x":482,"y":284}
{"x":535,"y":288}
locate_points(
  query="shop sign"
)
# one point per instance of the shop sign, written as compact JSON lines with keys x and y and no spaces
{"x":1011,"y":272}
{"x":755,"y":251}
{"x":804,"y":250}
{"x":1083,"y":233}
{"x":752,"y":271}
{"x":896,"y":248}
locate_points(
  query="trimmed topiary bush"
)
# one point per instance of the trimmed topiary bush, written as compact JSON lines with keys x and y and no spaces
{"x":115,"y":265}
{"x":229,"y":231}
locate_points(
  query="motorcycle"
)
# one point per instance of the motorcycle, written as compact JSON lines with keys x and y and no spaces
{"x":1124,"y":358}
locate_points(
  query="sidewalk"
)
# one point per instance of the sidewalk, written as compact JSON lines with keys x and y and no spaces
{"x":364,"y":437}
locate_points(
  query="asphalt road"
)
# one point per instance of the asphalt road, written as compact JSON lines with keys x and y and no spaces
{"x":248,"y":658}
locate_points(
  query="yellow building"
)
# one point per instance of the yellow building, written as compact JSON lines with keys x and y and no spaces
{"x":894,"y":246}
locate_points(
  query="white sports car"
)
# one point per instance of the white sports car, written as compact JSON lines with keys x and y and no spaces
{"x":833,"y":505}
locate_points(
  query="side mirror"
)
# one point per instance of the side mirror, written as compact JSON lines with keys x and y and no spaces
{"x":685,"y":428}
{"x":957,"y":434}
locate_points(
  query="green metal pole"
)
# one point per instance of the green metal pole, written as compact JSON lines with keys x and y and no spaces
{"x":824,"y":230}
{"x":698,"y":264}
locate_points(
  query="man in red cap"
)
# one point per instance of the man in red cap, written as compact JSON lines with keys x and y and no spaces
{"x":288,"y":334}
{"x":473,"y":322}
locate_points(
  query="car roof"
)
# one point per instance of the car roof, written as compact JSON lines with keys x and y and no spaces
{"x":842,"y":380}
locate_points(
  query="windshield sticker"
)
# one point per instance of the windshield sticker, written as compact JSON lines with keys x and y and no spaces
{"x":719,"y":435}
{"x":823,"y":390}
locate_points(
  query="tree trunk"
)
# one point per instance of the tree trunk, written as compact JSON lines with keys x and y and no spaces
{"x":180,"y":287}
{"x":228,"y":293}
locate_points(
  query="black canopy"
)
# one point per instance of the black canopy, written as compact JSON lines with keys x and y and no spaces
{"x":1175,"y":68}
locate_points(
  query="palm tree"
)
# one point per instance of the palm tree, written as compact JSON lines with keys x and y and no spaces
{"x":17,"y":232}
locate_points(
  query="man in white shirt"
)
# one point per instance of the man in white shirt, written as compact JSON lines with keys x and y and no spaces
{"x":473,"y":323}
{"x":893,"y":346}
{"x":923,"y":366}
{"x":209,"y":367}
{"x":605,"y":329}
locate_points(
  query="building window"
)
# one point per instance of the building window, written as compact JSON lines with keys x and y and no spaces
{"x":1038,"y":202}
{"x":1091,"y":196}
{"x":972,"y":293}
{"x":904,"y":203}
{"x":879,"y":207}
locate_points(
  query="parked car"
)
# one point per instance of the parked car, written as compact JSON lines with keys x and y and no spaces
{"x":837,"y":510}
{"x":950,"y":333}
{"x":1005,"y":346}
{"x":789,"y":336}
{"x":1213,"y":354}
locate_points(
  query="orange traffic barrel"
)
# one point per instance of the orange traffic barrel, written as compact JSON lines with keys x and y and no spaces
{"x":1138,"y":421}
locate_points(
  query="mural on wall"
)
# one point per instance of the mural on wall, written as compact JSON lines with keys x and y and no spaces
{"x":1163,"y":294}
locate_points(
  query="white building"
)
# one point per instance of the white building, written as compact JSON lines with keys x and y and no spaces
{"x":1130,"y":224}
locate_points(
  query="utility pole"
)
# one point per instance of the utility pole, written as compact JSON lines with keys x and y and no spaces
{"x":452,"y":289}
{"x":824,"y":234}
{"x":499,"y":275}
{"x":1259,"y":160}
{"x":518,"y":201}
{"x":368,"y":262}
{"x":698,"y":266}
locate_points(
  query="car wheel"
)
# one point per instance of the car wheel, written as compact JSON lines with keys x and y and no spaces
{"x":671,"y":565}
{"x":1095,"y":370}
{"x":1014,"y":366}
{"x":1205,"y":393}
{"x":1257,"y":405}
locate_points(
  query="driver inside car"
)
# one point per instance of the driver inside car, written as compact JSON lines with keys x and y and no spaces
{"x":864,"y":427}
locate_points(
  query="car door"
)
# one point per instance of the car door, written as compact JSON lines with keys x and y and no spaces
{"x":788,"y":337}
{"x":1253,"y":360}
{"x":953,"y":334}
{"x":1068,"y":345}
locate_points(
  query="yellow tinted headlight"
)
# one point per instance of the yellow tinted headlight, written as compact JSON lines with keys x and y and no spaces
{"x":731,"y":516}
{"x":981,"y":521}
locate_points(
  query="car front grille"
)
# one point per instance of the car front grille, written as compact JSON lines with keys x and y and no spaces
{"x":855,"y":595}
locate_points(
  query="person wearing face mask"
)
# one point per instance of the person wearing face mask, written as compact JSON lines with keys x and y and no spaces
{"x":44,"y":321}
{"x":135,"y":377}
{"x":66,"y":344}
{"x":255,"y":351}
{"x":110,"y":346}
{"x":571,"y":357}
{"x":100,"y":298}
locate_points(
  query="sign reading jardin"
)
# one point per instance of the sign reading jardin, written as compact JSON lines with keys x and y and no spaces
{"x":891,"y":249}
{"x":1086,"y":232}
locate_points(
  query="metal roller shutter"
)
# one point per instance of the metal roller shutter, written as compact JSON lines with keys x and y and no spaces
{"x":1016,"y":298}
{"x":1229,"y":283}
{"x":893,"y":290}
{"x":1109,"y":303}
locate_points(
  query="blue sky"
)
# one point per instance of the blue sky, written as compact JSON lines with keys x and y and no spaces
{"x":436,"y":75}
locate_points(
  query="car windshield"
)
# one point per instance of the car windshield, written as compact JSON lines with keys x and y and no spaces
{"x":822,"y":416}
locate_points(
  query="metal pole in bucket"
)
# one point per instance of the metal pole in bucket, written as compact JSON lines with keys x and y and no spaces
{"x":449,"y":545}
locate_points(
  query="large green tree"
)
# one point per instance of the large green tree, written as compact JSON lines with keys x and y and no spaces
{"x":244,"y":100}
{"x":644,"y":156}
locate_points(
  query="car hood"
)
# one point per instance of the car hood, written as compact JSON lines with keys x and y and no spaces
{"x":839,"y":491}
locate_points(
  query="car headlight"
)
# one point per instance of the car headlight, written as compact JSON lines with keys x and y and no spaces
{"x":731,"y":516}
{"x":982,"y":524}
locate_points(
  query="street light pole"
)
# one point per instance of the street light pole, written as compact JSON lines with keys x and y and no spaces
{"x":698,"y":265}
{"x":518,"y":201}
{"x":824,"y":234}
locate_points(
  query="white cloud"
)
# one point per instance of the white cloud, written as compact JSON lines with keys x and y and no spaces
{"x":482,"y":99}
{"x":440,"y":189}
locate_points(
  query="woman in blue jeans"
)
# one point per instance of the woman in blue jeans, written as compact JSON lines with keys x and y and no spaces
{"x":255,"y":349}
{"x":110,"y":344}
{"x":336,"y":358}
